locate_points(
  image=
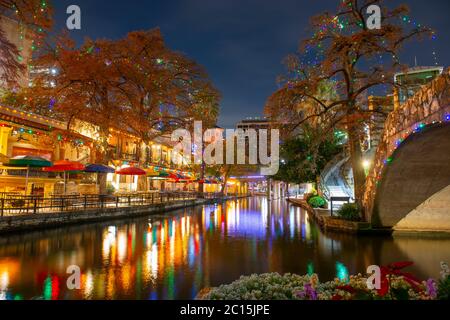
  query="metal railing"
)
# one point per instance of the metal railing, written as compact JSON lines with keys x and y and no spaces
{"x":28,"y":205}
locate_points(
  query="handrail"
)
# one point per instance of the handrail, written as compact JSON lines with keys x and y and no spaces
{"x":30,"y":205}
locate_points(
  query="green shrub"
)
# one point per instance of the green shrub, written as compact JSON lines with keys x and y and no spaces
{"x":350,"y":212}
{"x":317,"y":202}
{"x":310,"y":195}
{"x":444,"y":289}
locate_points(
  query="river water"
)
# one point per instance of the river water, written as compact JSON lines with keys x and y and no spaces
{"x":174,"y":256}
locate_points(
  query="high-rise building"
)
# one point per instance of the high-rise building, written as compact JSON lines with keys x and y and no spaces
{"x":409,"y":82}
{"x":253,"y":123}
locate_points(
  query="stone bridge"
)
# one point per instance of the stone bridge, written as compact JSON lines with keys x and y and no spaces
{"x":408,"y":187}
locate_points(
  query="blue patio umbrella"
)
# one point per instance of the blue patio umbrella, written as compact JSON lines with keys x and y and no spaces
{"x":99,"y":168}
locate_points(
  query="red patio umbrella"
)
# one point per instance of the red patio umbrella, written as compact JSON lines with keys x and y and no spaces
{"x":175,"y":177}
{"x":65,"y":166}
{"x":131,"y":171}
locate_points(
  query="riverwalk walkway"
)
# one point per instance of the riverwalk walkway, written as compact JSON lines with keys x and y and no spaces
{"x":28,"y":213}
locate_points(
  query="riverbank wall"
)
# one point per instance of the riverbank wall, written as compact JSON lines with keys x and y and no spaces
{"x":328,"y":223}
{"x":14,"y":224}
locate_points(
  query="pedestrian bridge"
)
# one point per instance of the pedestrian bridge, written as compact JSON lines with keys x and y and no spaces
{"x":408,"y":187}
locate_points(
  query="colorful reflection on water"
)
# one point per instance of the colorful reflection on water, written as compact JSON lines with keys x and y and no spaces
{"x":175,"y":255}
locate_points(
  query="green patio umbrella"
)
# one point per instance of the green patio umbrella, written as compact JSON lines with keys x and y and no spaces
{"x":29,"y":162}
{"x":163,"y":174}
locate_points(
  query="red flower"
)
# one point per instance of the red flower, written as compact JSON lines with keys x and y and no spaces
{"x":400,"y":265}
{"x":347,"y":288}
{"x":394,"y":269}
{"x":336,"y":297}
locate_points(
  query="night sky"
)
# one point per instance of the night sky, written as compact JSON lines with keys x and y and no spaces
{"x":240,"y":42}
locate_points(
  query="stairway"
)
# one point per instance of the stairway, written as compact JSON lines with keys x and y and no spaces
{"x":337,"y":191}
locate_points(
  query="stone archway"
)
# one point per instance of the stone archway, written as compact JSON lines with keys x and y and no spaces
{"x":414,"y":190}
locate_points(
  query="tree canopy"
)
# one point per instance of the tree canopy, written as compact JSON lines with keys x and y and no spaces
{"x":35,"y":16}
{"x":304,"y":157}
{"x":343,"y":51}
{"x":135,"y":84}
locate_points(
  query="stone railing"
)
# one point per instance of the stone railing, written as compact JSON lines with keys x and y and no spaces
{"x":429,"y":105}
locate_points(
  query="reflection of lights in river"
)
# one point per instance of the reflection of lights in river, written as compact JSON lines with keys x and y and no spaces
{"x":51,"y":288}
{"x":151,"y":265}
{"x":162,"y":235}
{"x":126,"y":277}
{"x":179,"y":266}
{"x":183,"y":226}
{"x":110,"y":284}
{"x":310,"y":268}
{"x":4,"y":281}
{"x":9,"y":273}
{"x":170,"y":228}
{"x":154,"y":261}
{"x":191,"y":251}
{"x":172,"y":243}
{"x":88,"y":281}
{"x":307,"y":227}
{"x":232,"y":218}
{"x":122,"y":246}
{"x":149,"y":238}
{"x":341,"y":272}
{"x":264,"y":212}
{"x":292,"y":222}
{"x":88,"y":285}
{"x":109,"y":240}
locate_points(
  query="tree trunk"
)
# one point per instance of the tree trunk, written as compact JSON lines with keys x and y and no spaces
{"x":201,"y":185}
{"x":225,"y":180}
{"x":359,"y":176}
{"x":102,"y":183}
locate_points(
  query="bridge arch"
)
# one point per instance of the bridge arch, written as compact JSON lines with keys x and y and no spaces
{"x":414,"y":190}
{"x":420,"y":118}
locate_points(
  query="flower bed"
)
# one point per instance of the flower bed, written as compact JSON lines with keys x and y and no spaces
{"x":395,"y":285}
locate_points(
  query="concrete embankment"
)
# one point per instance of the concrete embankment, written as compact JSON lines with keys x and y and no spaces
{"x":328,"y":223}
{"x":50,"y":220}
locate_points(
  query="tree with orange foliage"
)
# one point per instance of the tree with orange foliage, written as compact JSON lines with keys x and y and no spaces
{"x":344,"y":51}
{"x":135,"y":84}
{"x":161,"y":88}
{"x":32,"y":15}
